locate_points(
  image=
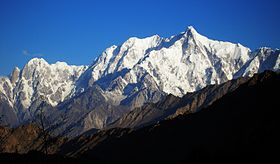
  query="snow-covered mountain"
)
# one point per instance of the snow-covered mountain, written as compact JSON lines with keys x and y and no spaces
{"x":39,"y":81}
{"x":129,"y":75}
{"x":177,"y":65}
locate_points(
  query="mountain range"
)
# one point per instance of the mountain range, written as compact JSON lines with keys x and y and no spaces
{"x":131,"y":85}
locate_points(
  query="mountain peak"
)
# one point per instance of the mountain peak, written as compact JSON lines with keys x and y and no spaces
{"x":37,"y":61}
{"x":191,"y":30}
{"x":147,"y":40}
{"x":192,"y":33}
{"x":15,"y":75}
{"x":16,"y":69}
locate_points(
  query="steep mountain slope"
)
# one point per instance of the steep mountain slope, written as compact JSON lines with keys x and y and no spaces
{"x":239,"y":127}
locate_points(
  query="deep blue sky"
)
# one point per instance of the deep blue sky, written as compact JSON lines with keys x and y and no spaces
{"x":78,"y":31}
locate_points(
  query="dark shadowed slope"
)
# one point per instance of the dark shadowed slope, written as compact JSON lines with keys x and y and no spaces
{"x":240,"y":127}
{"x":36,"y":158}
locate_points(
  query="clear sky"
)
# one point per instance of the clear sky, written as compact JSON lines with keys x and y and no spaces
{"x":78,"y":31}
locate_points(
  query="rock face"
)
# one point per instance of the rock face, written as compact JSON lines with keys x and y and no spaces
{"x":8,"y":116}
{"x":15,"y":75}
{"x":126,"y":77}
